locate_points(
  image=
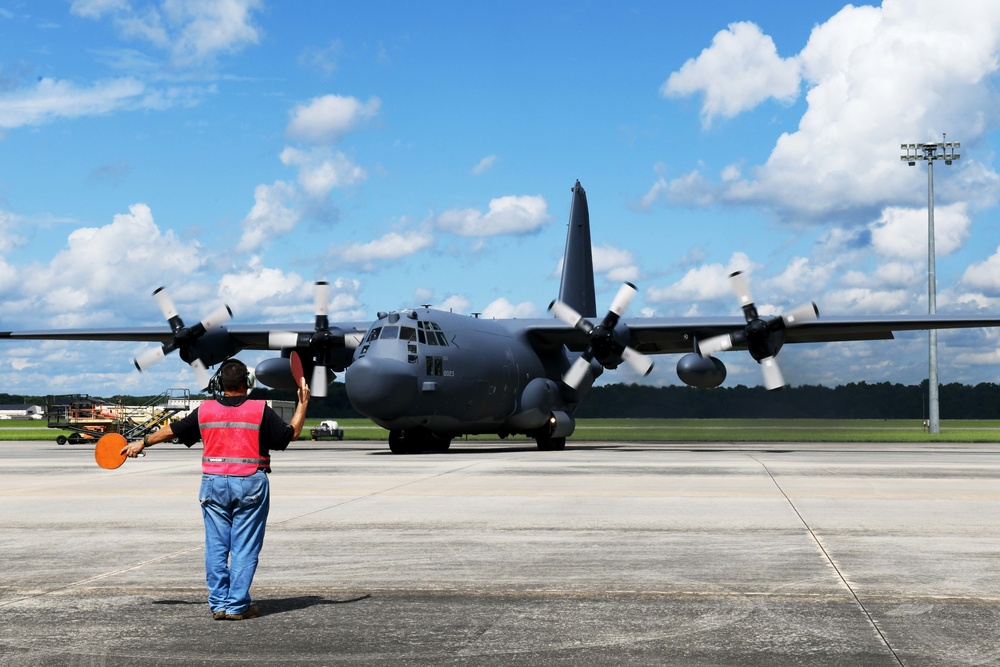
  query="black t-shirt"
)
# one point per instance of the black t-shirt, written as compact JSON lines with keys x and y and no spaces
{"x":274,"y":432}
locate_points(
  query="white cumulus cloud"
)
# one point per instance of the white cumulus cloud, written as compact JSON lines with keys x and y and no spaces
{"x":984,"y":275}
{"x":875,"y":77}
{"x":273,"y":214}
{"x":902,"y":232}
{"x":194,"y":31}
{"x":321,"y":170}
{"x":503,"y":309}
{"x":324,"y":120}
{"x":507,"y":215}
{"x":737,"y":72}
{"x":702,"y":283}
{"x":389,"y":247}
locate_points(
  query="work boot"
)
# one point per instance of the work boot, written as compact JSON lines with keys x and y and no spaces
{"x":249,"y":612}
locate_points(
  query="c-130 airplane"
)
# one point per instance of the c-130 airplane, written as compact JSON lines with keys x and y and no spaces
{"x":428,"y":376}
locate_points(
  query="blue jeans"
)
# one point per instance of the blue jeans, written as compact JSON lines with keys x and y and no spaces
{"x":235,"y":511}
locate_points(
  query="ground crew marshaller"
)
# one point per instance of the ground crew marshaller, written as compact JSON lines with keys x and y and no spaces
{"x":238,"y":435}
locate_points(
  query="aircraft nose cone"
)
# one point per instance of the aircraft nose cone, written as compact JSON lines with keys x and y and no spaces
{"x":379,"y":388}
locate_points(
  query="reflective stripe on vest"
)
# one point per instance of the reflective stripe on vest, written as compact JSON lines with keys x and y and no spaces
{"x":232,"y":438}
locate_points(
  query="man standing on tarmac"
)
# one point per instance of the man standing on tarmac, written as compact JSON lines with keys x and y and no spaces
{"x":239,"y":435}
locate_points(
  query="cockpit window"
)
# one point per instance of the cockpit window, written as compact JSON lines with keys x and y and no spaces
{"x":431,"y":334}
{"x":407,"y":333}
{"x":373,"y":334}
{"x":389,"y":333}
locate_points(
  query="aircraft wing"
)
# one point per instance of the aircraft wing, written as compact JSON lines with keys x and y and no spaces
{"x":132,"y":334}
{"x":678,"y":335}
{"x":650,"y":335}
{"x":244,"y":336}
{"x":655,"y":338}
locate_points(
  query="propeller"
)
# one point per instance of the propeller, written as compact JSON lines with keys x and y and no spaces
{"x":185,"y":338}
{"x":763,"y":338}
{"x":604,"y":346}
{"x":320,"y":342}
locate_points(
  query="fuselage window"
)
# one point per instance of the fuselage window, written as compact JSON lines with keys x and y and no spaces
{"x":435,"y":365}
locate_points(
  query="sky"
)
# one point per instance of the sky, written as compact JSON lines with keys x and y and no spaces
{"x":236,"y":151}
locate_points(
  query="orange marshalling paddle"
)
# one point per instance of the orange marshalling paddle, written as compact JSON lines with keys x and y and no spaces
{"x":296,"y":363}
{"x":108,"y":454}
{"x":108,"y":451}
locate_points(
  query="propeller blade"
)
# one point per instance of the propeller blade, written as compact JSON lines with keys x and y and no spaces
{"x":165,"y":303}
{"x":741,"y":287}
{"x":318,"y":385}
{"x":638,"y":361}
{"x":201,"y":373}
{"x":807,"y":312}
{"x":566,"y":313}
{"x":280,"y":340}
{"x":217,"y":317}
{"x":624,"y":297}
{"x":773,"y":379}
{"x":577,"y":372}
{"x":714,"y":345}
{"x":148,"y":358}
{"x":322,"y":297}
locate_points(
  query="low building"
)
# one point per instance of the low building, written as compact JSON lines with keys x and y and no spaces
{"x":22,"y":412}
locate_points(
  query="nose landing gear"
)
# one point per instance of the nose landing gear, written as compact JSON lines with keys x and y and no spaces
{"x":417,"y":440}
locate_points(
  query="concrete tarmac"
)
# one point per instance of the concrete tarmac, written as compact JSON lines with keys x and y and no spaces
{"x":493,"y":554}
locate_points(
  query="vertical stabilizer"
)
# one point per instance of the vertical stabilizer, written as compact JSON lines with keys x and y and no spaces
{"x":577,"y":286}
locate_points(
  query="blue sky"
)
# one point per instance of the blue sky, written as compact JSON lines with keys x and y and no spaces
{"x":237,"y":150}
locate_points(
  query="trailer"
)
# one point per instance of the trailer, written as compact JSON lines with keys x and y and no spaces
{"x":327,"y":429}
{"x":87,"y":419}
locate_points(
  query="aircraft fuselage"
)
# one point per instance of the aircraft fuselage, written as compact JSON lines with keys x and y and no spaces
{"x":433,"y":375}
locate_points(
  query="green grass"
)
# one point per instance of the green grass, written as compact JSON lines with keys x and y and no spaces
{"x":784,"y":430}
{"x":740,"y":430}
{"x":674,"y":430}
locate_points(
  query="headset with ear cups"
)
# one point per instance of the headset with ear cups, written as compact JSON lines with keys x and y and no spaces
{"x":215,"y":383}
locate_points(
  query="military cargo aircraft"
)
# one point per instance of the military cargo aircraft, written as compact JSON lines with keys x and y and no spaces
{"x":428,"y":376}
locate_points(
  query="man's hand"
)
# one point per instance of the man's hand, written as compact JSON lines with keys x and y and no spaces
{"x":133,"y":449}
{"x":299,"y":416}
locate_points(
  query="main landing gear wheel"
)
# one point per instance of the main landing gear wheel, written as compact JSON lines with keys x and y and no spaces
{"x":547,"y":443}
{"x":398,"y":444}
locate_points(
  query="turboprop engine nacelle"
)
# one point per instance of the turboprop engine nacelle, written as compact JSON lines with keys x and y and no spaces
{"x":698,"y":371}
{"x":275,"y":373}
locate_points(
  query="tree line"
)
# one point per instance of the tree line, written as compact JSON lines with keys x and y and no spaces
{"x":857,"y":400}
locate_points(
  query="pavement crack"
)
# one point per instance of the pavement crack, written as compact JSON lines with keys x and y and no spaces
{"x":829,"y":559}
{"x":348,"y":501}
{"x":98,"y":577}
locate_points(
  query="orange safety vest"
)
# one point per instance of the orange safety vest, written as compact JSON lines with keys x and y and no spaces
{"x":231,"y":436}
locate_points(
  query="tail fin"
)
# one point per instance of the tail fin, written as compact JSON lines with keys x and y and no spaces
{"x":577,"y":286}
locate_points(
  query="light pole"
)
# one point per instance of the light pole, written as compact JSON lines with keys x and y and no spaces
{"x":947,"y":151}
